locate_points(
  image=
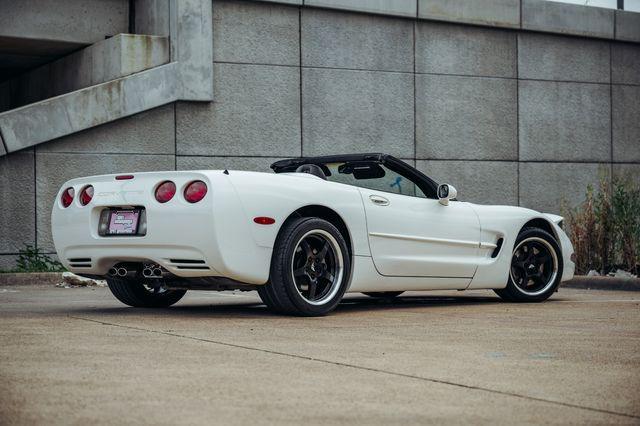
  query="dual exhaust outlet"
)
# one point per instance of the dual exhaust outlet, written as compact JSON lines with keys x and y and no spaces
{"x":152,"y":271}
{"x":118,"y":272}
{"x":149,"y":270}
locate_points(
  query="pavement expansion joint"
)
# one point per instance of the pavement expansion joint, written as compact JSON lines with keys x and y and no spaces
{"x":362,"y":368}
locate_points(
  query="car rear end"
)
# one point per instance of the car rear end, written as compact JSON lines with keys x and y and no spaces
{"x":156,"y":223}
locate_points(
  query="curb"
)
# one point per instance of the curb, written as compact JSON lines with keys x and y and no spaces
{"x":30,"y":278}
{"x":603,"y":283}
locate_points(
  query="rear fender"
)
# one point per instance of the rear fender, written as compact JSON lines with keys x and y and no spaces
{"x":279,"y":196}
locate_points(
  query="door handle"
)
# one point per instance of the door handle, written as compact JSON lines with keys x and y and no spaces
{"x":378,"y":200}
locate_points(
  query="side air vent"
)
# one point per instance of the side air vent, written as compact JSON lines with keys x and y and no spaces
{"x":189,"y":264}
{"x":80,"y":262}
{"x":193,"y":267}
{"x":498,"y":247}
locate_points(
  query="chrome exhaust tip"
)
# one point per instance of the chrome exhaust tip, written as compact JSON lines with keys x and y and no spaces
{"x":154,"y":271}
{"x":113,"y":272}
{"x":122,"y":272}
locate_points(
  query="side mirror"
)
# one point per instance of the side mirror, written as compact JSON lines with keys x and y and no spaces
{"x":446,"y":192}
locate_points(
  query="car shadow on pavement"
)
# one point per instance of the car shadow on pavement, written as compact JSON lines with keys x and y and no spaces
{"x":366,"y":303}
{"x":350,"y":305}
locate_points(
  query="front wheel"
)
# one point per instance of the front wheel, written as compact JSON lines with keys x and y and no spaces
{"x":310,"y":269}
{"x":536,"y":267}
{"x":139,"y":295}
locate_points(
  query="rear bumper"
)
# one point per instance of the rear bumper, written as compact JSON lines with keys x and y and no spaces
{"x":185,"y":248}
{"x":188,"y":240}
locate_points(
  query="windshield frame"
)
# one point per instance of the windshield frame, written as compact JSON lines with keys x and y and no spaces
{"x":427,"y":185}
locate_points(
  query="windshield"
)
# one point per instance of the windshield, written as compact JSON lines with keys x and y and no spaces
{"x":372,"y":175}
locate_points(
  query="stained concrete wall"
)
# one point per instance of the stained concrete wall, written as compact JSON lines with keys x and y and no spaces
{"x":106,"y":60}
{"x":507,"y":116}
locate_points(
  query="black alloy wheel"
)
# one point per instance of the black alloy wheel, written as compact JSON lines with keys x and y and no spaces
{"x":536,"y":267}
{"x":310,"y":268}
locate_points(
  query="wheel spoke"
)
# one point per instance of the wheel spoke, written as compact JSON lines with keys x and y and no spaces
{"x":537,"y":279}
{"x":530,"y":256}
{"x":313,"y":284}
{"x":542,"y":258}
{"x":300,"y":272}
{"x":519,"y":265}
{"x":519,"y":255}
{"x":328,"y":276}
{"x":324,"y":250}
{"x":306,"y":247}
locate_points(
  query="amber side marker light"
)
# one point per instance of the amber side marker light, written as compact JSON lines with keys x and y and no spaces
{"x":263,"y":220}
{"x":124,"y":177}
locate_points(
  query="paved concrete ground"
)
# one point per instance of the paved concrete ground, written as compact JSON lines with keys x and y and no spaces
{"x":78,"y":356}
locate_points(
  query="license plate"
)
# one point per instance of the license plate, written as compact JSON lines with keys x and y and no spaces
{"x":123,"y":222}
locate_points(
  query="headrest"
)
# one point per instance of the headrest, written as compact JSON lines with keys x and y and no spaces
{"x":312,"y":169}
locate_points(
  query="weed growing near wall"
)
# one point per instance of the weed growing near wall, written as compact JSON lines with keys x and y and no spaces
{"x":31,"y":259}
{"x":605,"y":228}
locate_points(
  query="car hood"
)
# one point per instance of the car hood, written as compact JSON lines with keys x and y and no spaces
{"x":491,"y":213}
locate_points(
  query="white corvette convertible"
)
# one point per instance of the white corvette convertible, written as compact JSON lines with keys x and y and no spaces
{"x":302,"y":237}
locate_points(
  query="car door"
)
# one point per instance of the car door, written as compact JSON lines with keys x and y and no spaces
{"x":419,"y":237}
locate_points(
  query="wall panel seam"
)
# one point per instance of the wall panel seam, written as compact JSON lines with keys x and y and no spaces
{"x":35,"y":197}
{"x":300,"y":78}
{"x":415,"y":113}
{"x":45,"y":153}
{"x":518,"y":110}
{"x":604,"y":83}
{"x":611,"y":101}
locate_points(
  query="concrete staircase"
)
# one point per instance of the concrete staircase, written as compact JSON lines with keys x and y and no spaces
{"x":110,"y":78}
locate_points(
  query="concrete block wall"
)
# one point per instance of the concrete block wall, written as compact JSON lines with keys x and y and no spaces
{"x":77,"y":22}
{"x":31,"y":178}
{"x":505,"y":115}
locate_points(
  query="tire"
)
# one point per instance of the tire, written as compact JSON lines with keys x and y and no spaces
{"x":384,"y":294}
{"x":134,"y":293}
{"x":310,"y":269}
{"x":264,"y":296}
{"x":536,"y":267}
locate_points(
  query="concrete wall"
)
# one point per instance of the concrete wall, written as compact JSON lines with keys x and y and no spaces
{"x":507,"y":116}
{"x":34,"y":32}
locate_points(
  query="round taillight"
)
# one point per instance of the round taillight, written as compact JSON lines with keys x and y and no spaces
{"x":86,"y":195}
{"x":67,"y":197}
{"x":165,"y":191}
{"x":195,"y":191}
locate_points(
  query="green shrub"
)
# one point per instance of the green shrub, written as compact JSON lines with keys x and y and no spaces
{"x":605,"y":228}
{"x":31,"y":259}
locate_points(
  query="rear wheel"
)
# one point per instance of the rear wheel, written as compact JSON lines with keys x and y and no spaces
{"x":384,"y":294}
{"x":536,"y":267}
{"x":139,"y":295}
{"x":310,"y":269}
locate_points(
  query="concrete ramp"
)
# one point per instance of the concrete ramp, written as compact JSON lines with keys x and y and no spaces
{"x":113,"y":78}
